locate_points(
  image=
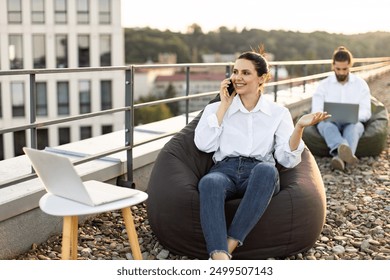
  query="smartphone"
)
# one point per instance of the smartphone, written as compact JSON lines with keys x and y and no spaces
{"x":230,"y":88}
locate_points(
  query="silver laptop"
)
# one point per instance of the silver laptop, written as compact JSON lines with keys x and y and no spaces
{"x":342,"y":112}
{"x":60,"y":178}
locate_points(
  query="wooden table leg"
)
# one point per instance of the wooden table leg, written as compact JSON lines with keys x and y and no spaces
{"x":74,"y":239}
{"x":132,"y":234}
{"x":69,"y":237}
{"x":66,"y":237}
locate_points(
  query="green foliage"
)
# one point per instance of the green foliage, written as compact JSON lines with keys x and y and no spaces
{"x":151,"y":114}
{"x":174,"y":106}
{"x":145,"y":44}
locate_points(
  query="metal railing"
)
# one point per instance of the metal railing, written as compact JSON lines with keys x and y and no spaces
{"x":365,"y":64}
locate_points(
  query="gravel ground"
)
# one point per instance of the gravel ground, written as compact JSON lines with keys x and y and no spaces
{"x":357,"y":223}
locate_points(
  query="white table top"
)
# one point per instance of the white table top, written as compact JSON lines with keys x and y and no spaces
{"x":58,"y":206}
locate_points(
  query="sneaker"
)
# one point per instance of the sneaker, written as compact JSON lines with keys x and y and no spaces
{"x":345,"y":153}
{"x":337,"y":163}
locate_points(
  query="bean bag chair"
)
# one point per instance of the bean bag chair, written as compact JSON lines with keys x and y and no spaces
{"x":372,"y":142}
{"x":291,"y":223}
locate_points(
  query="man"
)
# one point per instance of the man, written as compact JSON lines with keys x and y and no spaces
{"x":342,"y":87}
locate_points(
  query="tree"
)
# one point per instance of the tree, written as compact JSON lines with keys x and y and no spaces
{"x":170,"y":92}
{"x":150,"y":114}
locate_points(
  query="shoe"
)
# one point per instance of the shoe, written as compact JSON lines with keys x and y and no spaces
{"x":345,"y":153}
{"x":337,"y":163}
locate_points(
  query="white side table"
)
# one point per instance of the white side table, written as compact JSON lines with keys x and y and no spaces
{"x":70,"y":210}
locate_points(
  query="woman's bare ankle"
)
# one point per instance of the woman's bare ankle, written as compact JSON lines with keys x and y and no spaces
{"x":232,"y":244}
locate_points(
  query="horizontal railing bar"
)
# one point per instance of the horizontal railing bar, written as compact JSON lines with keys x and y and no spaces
{"x":325,"y":74}
{"x":175,"y":99}
{"x":178,"y":65}
{"x":327,"y":61}
{"x":63,"y":120}
{"x":61,"y":70}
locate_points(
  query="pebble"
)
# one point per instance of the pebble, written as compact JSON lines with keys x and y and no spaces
{"x":357,"y":225}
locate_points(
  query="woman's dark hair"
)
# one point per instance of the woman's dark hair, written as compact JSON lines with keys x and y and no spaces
{"x":258,"y":60}
{"x":342,"y":54}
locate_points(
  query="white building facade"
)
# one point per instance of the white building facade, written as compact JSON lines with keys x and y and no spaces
{"x":49,"y":34}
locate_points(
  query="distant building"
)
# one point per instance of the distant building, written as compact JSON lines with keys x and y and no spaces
{"x":200,"y":83}
{"x":144,"y":77}
{"x":226,"y":58}
{"x":36,"y":34}
{"x":218,"y":57}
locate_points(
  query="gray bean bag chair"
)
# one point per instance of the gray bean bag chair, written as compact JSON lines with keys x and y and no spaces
{"x":372,"y":142}
{"x":291,"y":224}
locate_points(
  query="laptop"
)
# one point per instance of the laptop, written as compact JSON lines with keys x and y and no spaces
{"x":60,"y":178}
{"x":342,"y":112}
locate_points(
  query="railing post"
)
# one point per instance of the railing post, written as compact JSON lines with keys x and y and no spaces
{"x":33,"y":111}
{"x":129,"y":127}
{"x":304,"y":74}
{"x":276,"y":86}
{"x":187,"y":93}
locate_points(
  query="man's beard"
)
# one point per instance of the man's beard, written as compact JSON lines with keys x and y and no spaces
{"x":341,"y":78}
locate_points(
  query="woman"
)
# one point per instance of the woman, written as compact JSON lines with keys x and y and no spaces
{"x":247,"y":133}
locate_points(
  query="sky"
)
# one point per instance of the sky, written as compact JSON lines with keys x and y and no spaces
{"x":332,"y":16}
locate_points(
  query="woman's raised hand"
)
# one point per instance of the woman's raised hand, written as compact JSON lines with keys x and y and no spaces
{"x":312,"y":119}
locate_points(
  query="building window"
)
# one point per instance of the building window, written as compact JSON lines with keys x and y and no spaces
{"x":14,"y":11}
{"x":42,"y":138}
{"x":82,"y":11}
{"x":15,"y":51}
{"x":85,"y":132}
{"x":60,"y":11}
{"x":17,"y":94}
{"x":106,"y":129}
{"x":39,"y":51}
{"x":104,"y":11}
{"x":41,"y":90}
{"x":85,"y":97}
{"x":19,"y":142}
{"x":64,"y":135}
{"x":106,"y":95}
{"x":61,"y":51}
{"x":63,"y":98}
{"x":37,"y":11}
{"x":105,"y":50}
{"x":83,"y":45}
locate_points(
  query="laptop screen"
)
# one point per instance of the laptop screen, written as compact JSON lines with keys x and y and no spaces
{"x":342,"y":112}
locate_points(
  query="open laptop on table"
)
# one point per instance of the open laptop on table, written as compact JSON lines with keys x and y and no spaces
{"x":60,"y":178}
{"x":342,"y":112}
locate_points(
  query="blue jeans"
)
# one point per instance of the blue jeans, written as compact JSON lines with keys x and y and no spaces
{"x":237,"y":177}
{"x":335,"y":134}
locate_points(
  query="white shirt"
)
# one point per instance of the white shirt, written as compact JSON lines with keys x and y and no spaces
{"x":262,"y":133}
{"x":355,"y":91}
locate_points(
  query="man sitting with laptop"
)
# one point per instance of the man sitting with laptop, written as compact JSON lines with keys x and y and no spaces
{"x":342,"y":134}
